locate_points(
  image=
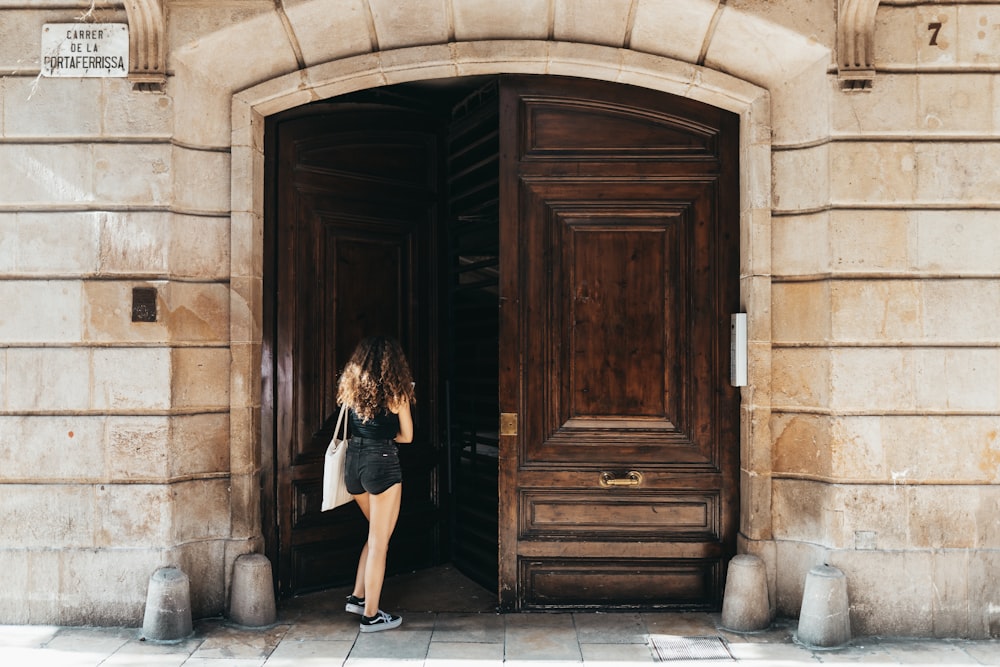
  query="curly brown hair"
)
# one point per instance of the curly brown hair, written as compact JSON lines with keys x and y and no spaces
{"x":377,"y":376}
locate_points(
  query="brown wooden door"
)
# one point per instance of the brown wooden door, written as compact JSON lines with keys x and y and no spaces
{"x":618,"y":272}
{"x":351,"y":254}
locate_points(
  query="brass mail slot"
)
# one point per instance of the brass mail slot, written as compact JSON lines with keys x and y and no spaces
{"x":632,"y":478}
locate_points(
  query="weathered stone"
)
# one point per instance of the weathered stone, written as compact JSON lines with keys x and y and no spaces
{"x":132,"y":515}
{"x":400,"y":24}
{"x":199,"y":444}
{"x":148,"y":386}
{"x":802,"y":311}
{"x":132,"y":174}
{"x":313,"y":23}
{"x":48,"y":379}
{"x":200,"y":510}
{"x":592,"y":21}
{"x":55,"y":243}
{"x":53,"y":448}
{"x":745,"y":604}
{"x":168,"y":606}
{"x":54,"y":516}
{"x":252,"y":599}
{"x":201,"y":180}
{"x":138,"y":448}
{"x":824,"y":620}
{"x":200,"y":377}
{"x":801,"y":179}
{"x":207,"y":565}
{"x":480,"y":20}
{"x":58,"y":320}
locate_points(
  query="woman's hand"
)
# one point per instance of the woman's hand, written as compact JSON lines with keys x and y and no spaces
{"x":405,"y":434}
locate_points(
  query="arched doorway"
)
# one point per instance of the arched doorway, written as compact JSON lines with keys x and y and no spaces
{"x":615,"y":266}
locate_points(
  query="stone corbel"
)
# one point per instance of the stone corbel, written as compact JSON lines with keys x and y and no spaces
{"x":856,"y":43}
{"x":147,"y":49}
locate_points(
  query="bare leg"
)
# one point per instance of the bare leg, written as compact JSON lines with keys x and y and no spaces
{"x":359,"y":579}
{"x":382,"y":516}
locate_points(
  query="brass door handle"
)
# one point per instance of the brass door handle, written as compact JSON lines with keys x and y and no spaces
{"x":632,"y":478}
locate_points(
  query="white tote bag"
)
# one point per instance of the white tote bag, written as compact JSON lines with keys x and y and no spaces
{"x":334,"y":490}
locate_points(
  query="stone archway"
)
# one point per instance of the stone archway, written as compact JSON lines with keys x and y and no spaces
{"x":773,"y":78}
{"x":250,"y":111}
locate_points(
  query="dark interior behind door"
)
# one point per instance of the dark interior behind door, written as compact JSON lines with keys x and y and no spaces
{"x":470,"y":345}
{"x":352,"y":252}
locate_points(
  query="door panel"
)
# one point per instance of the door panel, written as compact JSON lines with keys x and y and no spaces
{"x":606,"y":583}
{"x":618,"y":274}
{"x":357,"y":202}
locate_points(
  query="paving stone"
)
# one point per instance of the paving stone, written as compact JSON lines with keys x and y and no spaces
{"x":929,"y":653}
{"x":468,"y":628}
{"x":614,"y":655}
{"x":986,"y":652}
{"x":97,"y":641}
{"x":295,"y":653}
{"x":450,"y":654}
{"x":684,"y":625}
{"x":224,"y":662}
{"x":448,"y":639}
{"x":27,"y":635}
{"x":610,"y":628}
{"x":224,"y":642}
{"x":541,"y":637}
{"x":340,"y":626}
{"x":398,"y":644}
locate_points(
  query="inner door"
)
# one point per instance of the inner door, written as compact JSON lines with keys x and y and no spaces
{"x":471,"y":326}
{"x":618,"y":272}
{"x":352,"y":254}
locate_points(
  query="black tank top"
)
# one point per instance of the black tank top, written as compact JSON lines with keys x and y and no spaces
{"x":384,"y":426}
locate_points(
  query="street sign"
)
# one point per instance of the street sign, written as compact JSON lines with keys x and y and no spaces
{"x":85,"y":49}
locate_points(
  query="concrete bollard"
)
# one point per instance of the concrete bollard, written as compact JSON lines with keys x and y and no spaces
{"x":168,"y":606}
{"x":745,"y":602}
{"x":252,"y":598}
{"x":825,"y":620}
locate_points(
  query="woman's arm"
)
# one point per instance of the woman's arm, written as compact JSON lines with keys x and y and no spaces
{"x":405,"y":422}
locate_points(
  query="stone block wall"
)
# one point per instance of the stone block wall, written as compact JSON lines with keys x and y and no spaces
{"x":114,"y":434}
{"x":885,"y":359}
{"x":870,"y":237}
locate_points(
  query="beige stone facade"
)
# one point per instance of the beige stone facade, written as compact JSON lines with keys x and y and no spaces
{"x":869,"y":261}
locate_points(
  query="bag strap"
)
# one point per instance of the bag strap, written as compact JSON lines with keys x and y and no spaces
{"x":341,"y":418}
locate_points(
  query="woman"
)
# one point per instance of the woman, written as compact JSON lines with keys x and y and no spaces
{"x":378,"y":389}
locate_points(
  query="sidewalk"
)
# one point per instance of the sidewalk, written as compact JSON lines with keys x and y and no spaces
{"x":463,"y":639}
{"x":314,"y":631}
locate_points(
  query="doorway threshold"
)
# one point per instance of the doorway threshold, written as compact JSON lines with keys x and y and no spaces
{"x":435,"y":589}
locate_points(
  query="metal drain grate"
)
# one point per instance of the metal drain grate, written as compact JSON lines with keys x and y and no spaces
{"x":670,"y":647}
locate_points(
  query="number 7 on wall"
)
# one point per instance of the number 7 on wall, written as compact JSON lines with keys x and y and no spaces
{"x":936,"y":27}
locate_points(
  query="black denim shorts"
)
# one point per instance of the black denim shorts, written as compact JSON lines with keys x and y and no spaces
{"x":371,"y":465}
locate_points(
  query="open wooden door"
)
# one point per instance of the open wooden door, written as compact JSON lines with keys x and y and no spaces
{"x":618,"y":272}
{"x":351,"y":254}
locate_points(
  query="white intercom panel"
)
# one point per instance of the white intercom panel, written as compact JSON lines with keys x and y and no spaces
{"x":738,"y":350}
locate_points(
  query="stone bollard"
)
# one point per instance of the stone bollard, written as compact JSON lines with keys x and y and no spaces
{"x":168,"y":606}
{"x":745,"y":603}
{"x":825,"y":620}
{"x":252,"y":598}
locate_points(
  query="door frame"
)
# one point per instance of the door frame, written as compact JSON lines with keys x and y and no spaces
{"x":251,"y":416}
